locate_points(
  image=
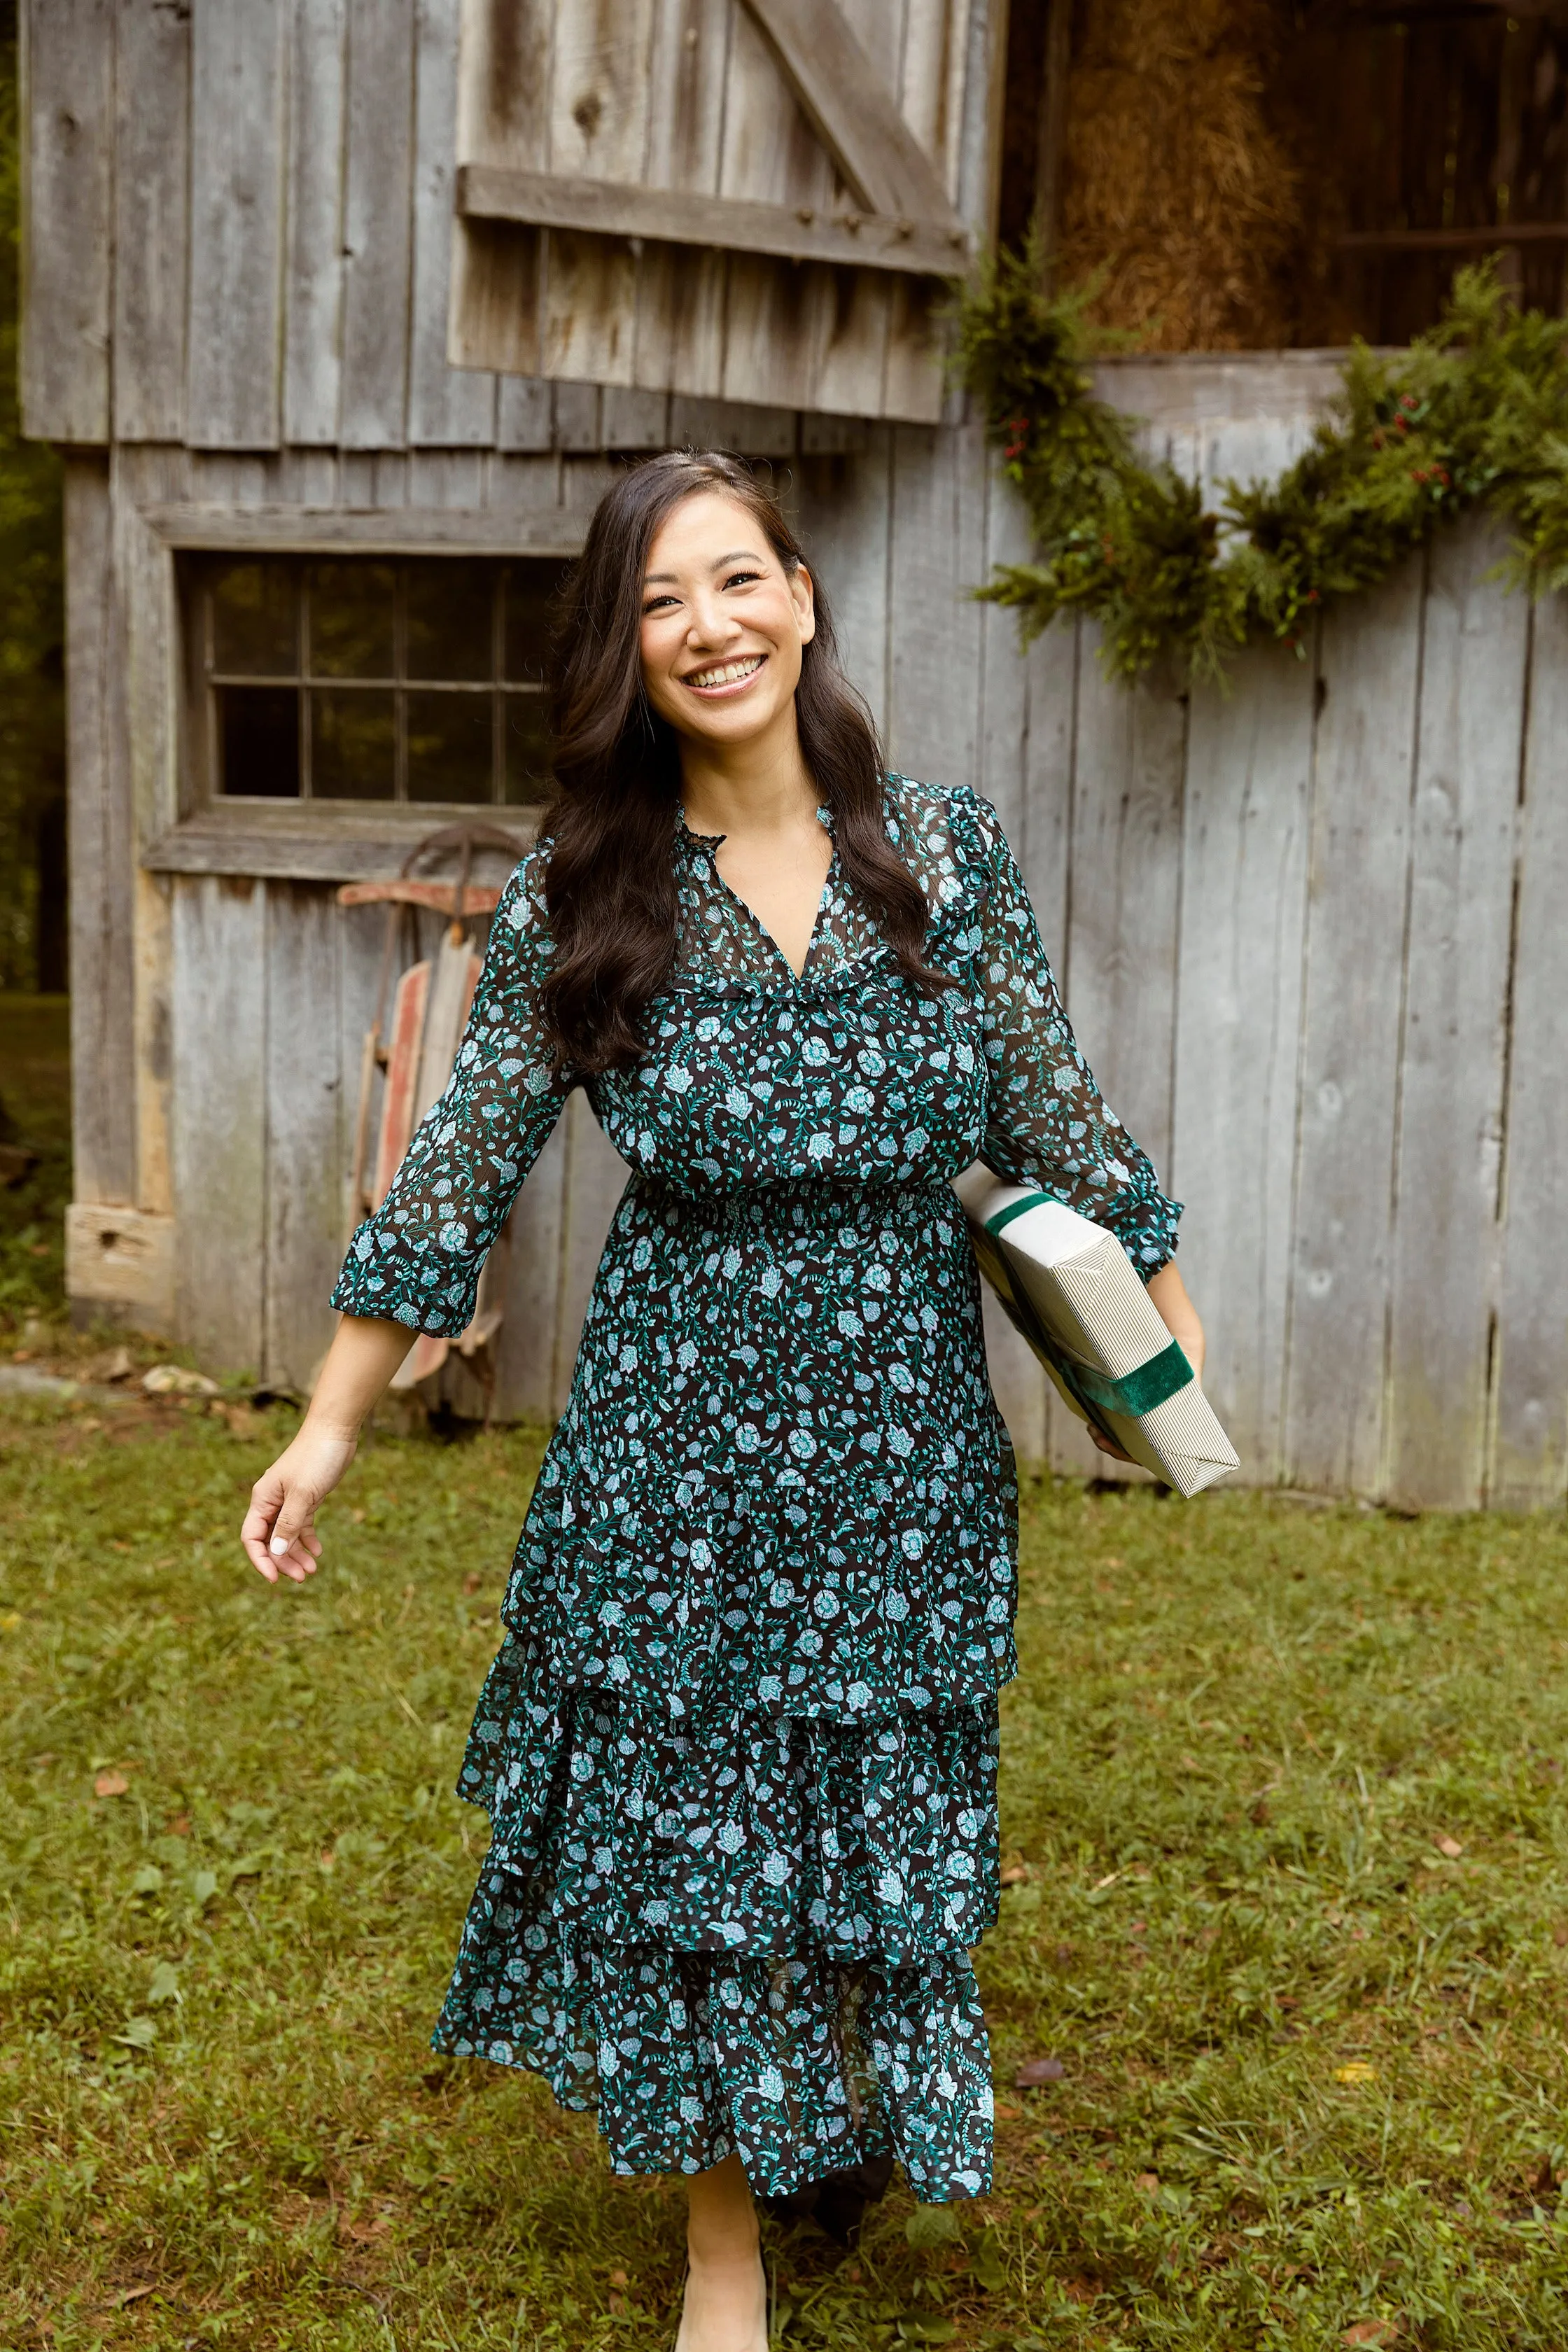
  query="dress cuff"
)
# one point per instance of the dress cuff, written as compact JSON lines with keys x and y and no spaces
{"x":384,"y":1277}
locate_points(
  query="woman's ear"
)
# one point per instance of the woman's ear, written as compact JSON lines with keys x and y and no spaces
{"x":804,"y":595}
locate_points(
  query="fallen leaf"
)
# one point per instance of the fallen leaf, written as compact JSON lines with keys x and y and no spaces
{"x":329,"y":1860}
{"x":111,"y":1784}
{"x":1453,"y":1849}
{"x":165,"y":1984}
{"x":357,"y":1515}
{"x":1545,"y":2182}
{"x":1371,"y":2331}
{"x":120,"y":1368}
{"x":472,"y":1581}
{"x":615,"y":2304}
{"x":1358,"y":2071}
{"x":1006,"y":2111}
{"x":132,"y":2295}
{"x":1034,"y":2071}
{"x":1015,"y":1873}
{"x":1149,"y":2182}
{"x":619,"y":2278}
{"x":180,"y":1826}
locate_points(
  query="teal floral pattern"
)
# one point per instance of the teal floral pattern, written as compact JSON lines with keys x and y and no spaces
{"x":738,"y":1746}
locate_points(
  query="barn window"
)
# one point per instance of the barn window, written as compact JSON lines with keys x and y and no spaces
{"x":358,"y":680}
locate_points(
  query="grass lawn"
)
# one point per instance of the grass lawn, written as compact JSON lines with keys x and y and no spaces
{"x":1288,"y":1908}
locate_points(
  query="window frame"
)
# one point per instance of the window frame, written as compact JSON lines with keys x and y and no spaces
{"x":186,"y":826}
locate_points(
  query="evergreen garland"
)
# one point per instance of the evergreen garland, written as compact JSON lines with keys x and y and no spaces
{"x":1475,"y":411}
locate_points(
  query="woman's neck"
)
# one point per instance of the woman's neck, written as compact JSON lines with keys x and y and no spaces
{"x":757,"y":788}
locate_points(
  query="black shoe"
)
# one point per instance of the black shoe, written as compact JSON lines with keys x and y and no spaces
{"x":836,"y":2203}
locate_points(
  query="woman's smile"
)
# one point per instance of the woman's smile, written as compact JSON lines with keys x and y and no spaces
{"x":725,"y":678}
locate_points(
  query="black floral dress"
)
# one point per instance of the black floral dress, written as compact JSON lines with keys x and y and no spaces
{"x":739,"y":1745}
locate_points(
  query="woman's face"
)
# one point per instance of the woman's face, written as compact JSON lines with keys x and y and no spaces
{"x":723,"y":622}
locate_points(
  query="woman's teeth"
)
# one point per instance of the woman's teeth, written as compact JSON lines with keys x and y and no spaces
{"x":727,"y":673}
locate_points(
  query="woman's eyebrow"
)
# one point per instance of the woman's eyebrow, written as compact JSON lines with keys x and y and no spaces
{"x":736,"y":555}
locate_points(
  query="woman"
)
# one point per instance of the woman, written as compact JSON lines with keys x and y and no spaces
{"x":738,"y":1746}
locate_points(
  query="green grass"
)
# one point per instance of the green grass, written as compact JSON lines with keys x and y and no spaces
{"x":35,"y":1111}
{"x":1313,"y":2065}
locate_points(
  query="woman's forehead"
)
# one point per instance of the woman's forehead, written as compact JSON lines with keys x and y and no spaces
{"x":709,"y":529}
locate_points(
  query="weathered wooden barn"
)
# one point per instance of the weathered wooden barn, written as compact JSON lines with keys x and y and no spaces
{"x":341,"y":310}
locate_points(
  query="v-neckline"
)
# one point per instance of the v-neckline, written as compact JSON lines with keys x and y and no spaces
{"x":711,"y":842}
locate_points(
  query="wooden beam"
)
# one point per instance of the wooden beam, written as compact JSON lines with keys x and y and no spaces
{"x":338,"y":530}
{"x":852,"y":110}
{"x":299,"y":841}
{"x":1452,"y":240}
{"x":1053,"y":130}
{"x":791,"y":233}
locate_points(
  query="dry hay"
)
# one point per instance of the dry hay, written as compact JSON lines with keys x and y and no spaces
{"x":1177,"y":191}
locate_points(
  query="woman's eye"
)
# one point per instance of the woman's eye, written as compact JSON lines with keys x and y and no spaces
{"x":739,"y":579}
{"x":658,"y":604}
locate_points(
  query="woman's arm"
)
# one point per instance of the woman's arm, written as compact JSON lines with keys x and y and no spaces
{"x":279,"y":1528}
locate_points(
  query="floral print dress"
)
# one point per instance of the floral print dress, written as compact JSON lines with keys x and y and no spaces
{"x":739,"y":1745}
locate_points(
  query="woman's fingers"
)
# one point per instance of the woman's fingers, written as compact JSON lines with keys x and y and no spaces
{"x":279,"y":1532}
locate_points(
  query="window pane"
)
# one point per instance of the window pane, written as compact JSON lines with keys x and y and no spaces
{"x":450,"y":755}
{"x":351,"y":746}
{"x":530,"y":593}
{"x":258,"y":741}
{"x":255,"y":631}
{"x":449,"y":609}
{"x":351,"y":619}
{"x":527,"y":749}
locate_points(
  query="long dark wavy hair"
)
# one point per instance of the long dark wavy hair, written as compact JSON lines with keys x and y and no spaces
{"x":609,"y":876}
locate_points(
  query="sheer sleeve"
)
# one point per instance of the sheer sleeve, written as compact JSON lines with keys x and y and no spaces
{"x":417,"y":1260}
{"x":1048,"y":1125}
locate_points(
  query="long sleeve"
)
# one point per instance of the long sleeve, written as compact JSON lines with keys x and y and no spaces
{"x":417,"y":1260}
{"x":1048,"y":1124}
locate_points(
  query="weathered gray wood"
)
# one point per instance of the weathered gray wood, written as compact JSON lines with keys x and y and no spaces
{"x":1123,"y":914}
{"x":854,"y":112}
{"x":1243,"y":935}
{"x":576,"y":417}
{"x":844,"y":507}
{"x":68,"y":216}
{"x":775,"y":320}
{"x":378,"y":224}
{"x":314,"y":285}
{"x":753,"y":432}
{"x":1446,"y":1231}
{"x":447,"y":406}
{"x":682,"y":290}
{"x":598,"y":132}
{"x":1349,"y":1067}
{"x":306,"y":1120}
{"x":219,"y":1139}
{"x":634,"y":420}
{"x":238,"y":83}
{"x":299,"y":844}
{"x":936,"y":554}
{"x":400,"y":531}
{"x":152,"y":224}
{"x":101,"y":848}
{"x":614,"y":209}
{"x":522,"y":413}
{"x":1005,"y":685}
{"x":1530,"y":1467}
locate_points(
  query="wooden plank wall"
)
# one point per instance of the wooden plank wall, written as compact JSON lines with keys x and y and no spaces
{"x":1308,"y":932}
{"x":240,"y":218}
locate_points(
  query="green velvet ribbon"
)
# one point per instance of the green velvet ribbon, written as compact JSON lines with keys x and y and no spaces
{"x":1136,"y":1392}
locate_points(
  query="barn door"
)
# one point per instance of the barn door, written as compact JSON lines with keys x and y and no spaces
{"x":749,"y":200}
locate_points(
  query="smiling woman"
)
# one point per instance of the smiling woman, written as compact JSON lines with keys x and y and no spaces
{"x":739,"y":1749}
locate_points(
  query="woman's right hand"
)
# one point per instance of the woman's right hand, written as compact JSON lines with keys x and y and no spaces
{"x":279,"y":1528}
{"x":279,"y":1531}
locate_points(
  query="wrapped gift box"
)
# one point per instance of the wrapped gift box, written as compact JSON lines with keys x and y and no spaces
{"x":1073,"y":1292}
